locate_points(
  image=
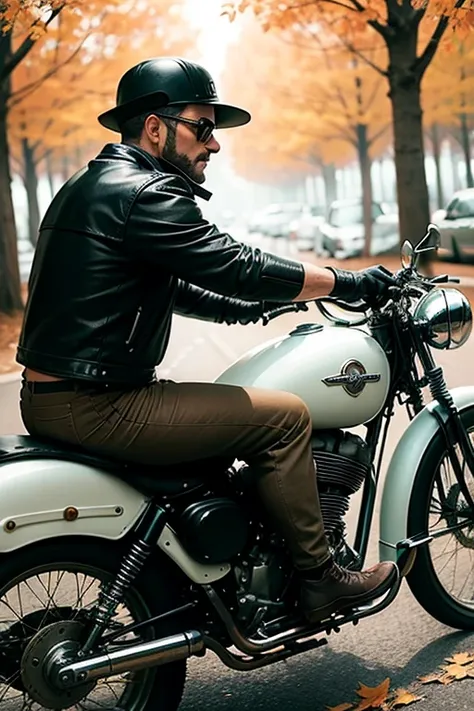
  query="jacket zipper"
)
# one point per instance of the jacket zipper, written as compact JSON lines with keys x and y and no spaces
{"x":134,"y":328}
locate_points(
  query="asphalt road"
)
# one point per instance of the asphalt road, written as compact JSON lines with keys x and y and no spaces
{"x":401,"y":643}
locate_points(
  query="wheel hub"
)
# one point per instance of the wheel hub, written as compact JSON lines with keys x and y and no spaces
{"x":56,"y":643}
{"x":458,"y":510}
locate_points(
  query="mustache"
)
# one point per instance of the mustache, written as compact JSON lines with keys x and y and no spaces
{"x":203,"y":156}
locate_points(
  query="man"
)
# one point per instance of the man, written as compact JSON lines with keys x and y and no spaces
{"x":122,"y":246}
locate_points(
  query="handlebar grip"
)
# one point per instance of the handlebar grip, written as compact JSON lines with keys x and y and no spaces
{"x":279,"y":311}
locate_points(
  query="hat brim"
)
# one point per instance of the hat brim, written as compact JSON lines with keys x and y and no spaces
{"x":226,"y":115}
{"x":114,"y":118}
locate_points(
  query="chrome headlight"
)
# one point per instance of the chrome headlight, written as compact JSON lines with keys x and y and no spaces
{"x":447,"y":315}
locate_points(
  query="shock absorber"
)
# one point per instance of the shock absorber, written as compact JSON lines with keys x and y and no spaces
{"x":112,"y":594}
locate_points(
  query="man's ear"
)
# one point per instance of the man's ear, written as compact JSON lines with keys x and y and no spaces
{"x":152,"y":127}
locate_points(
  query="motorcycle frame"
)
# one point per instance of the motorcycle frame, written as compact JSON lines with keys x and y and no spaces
{"x":405,"y":380}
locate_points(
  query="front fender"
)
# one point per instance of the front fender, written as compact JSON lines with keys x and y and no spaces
{"x":403,"y":468}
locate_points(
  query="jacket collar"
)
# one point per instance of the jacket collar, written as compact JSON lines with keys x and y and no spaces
{"x":135,"y":154}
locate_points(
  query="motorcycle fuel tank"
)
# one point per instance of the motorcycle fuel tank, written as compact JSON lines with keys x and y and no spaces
{"x":341,"y":373}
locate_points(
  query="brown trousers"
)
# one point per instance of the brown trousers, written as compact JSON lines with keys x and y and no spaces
{"x":170,"y":423}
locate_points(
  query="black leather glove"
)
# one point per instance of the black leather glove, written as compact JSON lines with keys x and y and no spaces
{"x":369,"y":284}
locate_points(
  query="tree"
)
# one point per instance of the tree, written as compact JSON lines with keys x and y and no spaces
{"x":450,"y":111}
{"x":399,"y":26}
{"x":22,"y":25}
{"x":54,"y":57}
{"x":310,"y":116}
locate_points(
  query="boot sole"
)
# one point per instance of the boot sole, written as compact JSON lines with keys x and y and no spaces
{"x":343,"y":604}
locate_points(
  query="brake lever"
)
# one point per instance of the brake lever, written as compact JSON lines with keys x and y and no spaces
{"x":445,"y":279}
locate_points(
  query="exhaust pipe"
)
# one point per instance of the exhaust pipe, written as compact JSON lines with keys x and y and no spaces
{"x":139,"y":656}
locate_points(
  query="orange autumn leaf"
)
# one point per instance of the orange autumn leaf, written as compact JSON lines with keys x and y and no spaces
{"x":431,"y":678}
{"x":403,"y":697}
{"x":461,"y":658}
{"x":372,"y":697}
{"x":340,"y":707}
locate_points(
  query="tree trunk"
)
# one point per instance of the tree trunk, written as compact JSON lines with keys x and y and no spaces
{"x":466,"y":149}
{"x":30,"y":180}
{"x":436,"y":145}
{"x":330,"y":184}
{"x":50,"y":174}
{"x":405,"y":95}
{"x":10,"y":287}
{"x":366,"y":183}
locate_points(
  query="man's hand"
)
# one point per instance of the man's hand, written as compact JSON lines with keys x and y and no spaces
{"x":369,"y":284}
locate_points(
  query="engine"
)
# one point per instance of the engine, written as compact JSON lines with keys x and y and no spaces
{"x":342,"y":461}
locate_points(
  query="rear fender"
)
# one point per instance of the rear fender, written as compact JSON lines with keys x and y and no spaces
{"x":42,"y":499}
{"x":47,"y":498}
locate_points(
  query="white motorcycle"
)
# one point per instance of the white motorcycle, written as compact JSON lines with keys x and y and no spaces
{"x":112,"y":575}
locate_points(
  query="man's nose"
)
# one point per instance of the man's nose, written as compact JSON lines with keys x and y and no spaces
{"x":213,"y":146}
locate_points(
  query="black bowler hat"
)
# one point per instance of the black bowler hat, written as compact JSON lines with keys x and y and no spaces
{"x":168,"y":81}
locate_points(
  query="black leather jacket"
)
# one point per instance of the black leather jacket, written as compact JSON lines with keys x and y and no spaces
{"x":123,"y":245}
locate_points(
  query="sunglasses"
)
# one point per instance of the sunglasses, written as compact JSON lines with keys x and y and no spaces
{"x":204,"y":126}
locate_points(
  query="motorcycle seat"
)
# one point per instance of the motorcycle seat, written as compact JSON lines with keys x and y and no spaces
{"x":150,"y":480}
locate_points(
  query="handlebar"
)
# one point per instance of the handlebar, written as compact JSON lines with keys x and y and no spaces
{"x":361,"y":307}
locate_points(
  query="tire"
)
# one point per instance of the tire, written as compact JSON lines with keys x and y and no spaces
{"x":158,"y":689}
{"x":423,"y":579}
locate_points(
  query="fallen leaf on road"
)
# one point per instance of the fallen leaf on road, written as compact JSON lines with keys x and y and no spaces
{"x":431,"y":678}
{"x":403,"y":697}
{"x":461,"y":658}
{"x":372,"y":697}
{"x":341,"y":707}
{"x":456,"y":671}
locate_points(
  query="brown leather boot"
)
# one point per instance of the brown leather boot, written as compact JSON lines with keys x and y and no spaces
{"x":339,"y":589}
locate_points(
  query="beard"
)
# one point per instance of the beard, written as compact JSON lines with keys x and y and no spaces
{"x":181,"y":161}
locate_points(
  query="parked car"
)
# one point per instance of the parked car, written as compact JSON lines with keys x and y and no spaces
{"x":456,"y":226}
{"x":304,"y":230}
{"x":25,"y":258}
{"x":343,"y":234}
{"x":277,"y":218}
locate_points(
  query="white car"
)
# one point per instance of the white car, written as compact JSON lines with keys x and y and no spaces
{"x":304,"y":230}
{"x":25,"y":258}
{"x":343,"y":233}
{"x":276,"y":219}
{"x":456,"y":226}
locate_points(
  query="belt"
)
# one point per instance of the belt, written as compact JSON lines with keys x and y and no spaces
{"x":69,"y":386}
{"x":58,"y":386}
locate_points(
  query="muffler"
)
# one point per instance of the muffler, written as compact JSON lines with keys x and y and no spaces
{"x":139,"y":656}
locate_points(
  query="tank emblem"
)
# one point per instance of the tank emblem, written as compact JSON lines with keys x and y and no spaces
{"x":353,"y":378}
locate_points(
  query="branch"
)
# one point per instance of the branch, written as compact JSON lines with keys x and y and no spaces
{"x":329,"y":2}
{"x":25,"y":47}
{"x":18,"y":96}
{"x":377,"y":135}
{"x":354,"y":50}
{"x":423,"y":61}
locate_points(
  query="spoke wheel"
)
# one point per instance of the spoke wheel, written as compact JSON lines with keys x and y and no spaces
{"x":45,"y":595}
{"x":442,"y":578}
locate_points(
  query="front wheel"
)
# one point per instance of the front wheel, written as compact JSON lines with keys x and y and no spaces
{"x":56,"y":583}
{"x":442,"y":578}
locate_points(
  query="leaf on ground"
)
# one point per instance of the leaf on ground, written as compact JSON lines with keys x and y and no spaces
{"x":456,"y":671}
{"x":431,"y":678}
{"x":403,"y":697}
{"x":341,"y":707}
{"x":461,"y":658}
{"x":372,"y":697}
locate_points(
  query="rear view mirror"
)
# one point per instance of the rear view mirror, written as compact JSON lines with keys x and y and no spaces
{"x":430,"y":241}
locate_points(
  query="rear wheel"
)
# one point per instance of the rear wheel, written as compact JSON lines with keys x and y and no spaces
{"x":55,"y":584}
{"x":442,"y":578}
